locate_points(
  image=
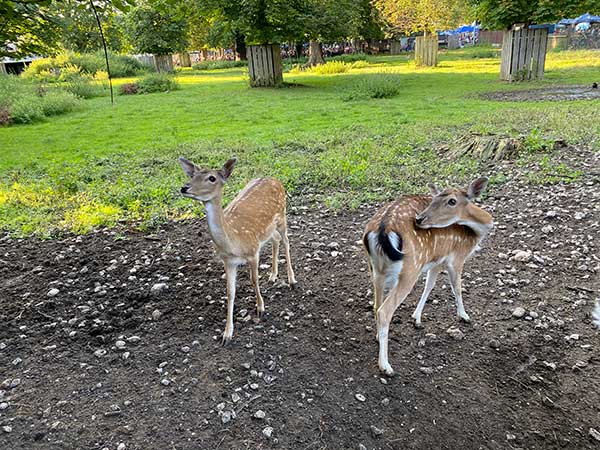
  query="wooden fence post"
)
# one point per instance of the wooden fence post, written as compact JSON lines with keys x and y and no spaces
{"x":426,"y":50}
{"x":264,"y":65}
{"x":523,"y":53}
{"x":185,"y":60}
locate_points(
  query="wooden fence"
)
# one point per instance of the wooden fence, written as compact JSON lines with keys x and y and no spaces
{"x":264,"y":65}
{"x":490,"y":37}
{"x":523,"y":53}
{"x":426,"y":50}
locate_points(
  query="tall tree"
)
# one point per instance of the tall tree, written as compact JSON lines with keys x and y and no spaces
{"x":159,"y":28}
{"x":409,"y":16}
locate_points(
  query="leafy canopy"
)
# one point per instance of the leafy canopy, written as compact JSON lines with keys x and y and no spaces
{"x":157,"y":28}
{"x":411,"y":16}
{"x":498,"y":14}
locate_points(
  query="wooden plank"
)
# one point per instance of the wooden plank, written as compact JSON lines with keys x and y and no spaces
{"x":527,"y":51}
{"x":542,"y":53}
{"x":535,"y":54}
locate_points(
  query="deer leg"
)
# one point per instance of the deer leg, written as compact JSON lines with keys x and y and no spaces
{"x":275,"y":256}
{"x":378,"y":290}
{"x":455,"y":275}
{"x":231,"y":275}
{"x":432,"y":275}
{"x":384,"y":317}
{"x":260,"y":304}
{"x":286,"y":246}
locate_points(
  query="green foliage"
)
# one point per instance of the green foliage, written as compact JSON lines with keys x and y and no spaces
{"x":536,"y":142}
{"x":22,"y":101}
{"x":352,"y":57}
{"x":38,"y":26}
{"x":83,"y":86}
{"x":157,"y":82}
{"x":218,"y":64}
{"x":499,"y":14}
{"x":410,"y":16}
{"x":65,"y":65}
{"x":330,"y":68}
{"x":156,"y":28}
{"x":380,"y":85}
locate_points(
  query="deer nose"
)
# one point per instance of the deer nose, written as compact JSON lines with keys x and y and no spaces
{"x":184,"y":189}
{"x":419,"y":220}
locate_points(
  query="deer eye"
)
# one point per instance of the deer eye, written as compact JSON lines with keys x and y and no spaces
{"x":452,"y":202}
{"x":212,"y":179}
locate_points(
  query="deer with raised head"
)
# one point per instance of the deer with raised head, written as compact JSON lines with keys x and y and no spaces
{"x":418,"y":234}
{"x":255,"y":216}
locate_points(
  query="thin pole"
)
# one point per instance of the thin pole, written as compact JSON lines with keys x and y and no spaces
{"x":112,"y":98}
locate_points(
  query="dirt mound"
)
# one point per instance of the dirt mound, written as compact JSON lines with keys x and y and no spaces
{"x":554,"y":93}
{"x":91,"y":357}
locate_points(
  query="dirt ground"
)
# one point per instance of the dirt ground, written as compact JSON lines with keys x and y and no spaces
{"x":553,"y":93}
{"x":305,"y":377}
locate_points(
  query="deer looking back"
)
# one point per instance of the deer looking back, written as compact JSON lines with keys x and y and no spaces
{"x":417,"y":234}
{"x":256,"y":216}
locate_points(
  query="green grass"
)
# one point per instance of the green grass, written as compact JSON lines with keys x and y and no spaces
{"x":103,"y":164}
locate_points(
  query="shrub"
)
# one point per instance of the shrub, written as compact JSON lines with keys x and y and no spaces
{"x":22,"y":101}
{"x":361,"y":64}
{"x":58,"y":102}
{"x":83,"y":87}
{"x":383,"y":85}
{"x":353,"y":57}
{"x":331,"y":67}
{"x":129,"y":89}
{"x":218,"y":64}
{"x":60,"y":67}
{"x":156,"y":82}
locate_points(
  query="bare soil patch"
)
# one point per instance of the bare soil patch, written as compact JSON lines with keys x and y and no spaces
{"x":510,"y":383}
{"x":554,"y":93}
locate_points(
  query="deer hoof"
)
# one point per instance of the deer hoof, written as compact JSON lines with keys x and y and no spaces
{"x":272,"y":278}
{"x":418,"y":325}
{"x":293,"y":285}
{"x":226,"y":341}
{"x":260,"y":314}
{"x":465,"y":318}
{"x":387,"y":369}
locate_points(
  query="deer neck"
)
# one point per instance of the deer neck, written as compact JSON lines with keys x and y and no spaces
{"x":478,"y":220}
{"x":216,"y":222}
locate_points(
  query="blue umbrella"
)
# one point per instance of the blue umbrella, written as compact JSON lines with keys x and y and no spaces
{"x":587,"y":17}
{"x":567,"y":21}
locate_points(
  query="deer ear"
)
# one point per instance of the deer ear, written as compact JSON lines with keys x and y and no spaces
{"x":433,"y":189}
{"x":477,"y":187}
{"x":188,"y":167}
{"x":228,"y":168}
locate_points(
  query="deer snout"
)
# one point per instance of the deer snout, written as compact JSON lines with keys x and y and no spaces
{"x":185,"y":189}
{"x":419,"y":219}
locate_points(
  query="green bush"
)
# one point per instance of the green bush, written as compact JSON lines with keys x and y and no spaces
{"x":62,"y":66}
{"x":218,"y":64}
{"x":129,"y":88}
{"x":156,"y":82}
{"x":84,"y":87}
{"x":23,"y":101}
{"x":331,"y":67}
{"x":58,"y":102}
{"x":381,"y":85}
{"x":353,"y":57}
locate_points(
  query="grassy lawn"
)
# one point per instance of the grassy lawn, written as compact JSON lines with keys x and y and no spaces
{"x":104,"y":164}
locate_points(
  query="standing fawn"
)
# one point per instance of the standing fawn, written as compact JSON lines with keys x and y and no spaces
{"x":254,"y":217}
{"x":417,"y":234}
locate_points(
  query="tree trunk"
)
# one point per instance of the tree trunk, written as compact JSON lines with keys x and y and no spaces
{"x":264,"y":65}
{"x":163,"y":63}
{"x":299,"y":48}
{"x":315,"y":54}
{"x":240,"y":47}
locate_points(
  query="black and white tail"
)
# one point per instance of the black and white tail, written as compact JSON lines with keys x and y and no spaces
{"x":596,"y":315}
